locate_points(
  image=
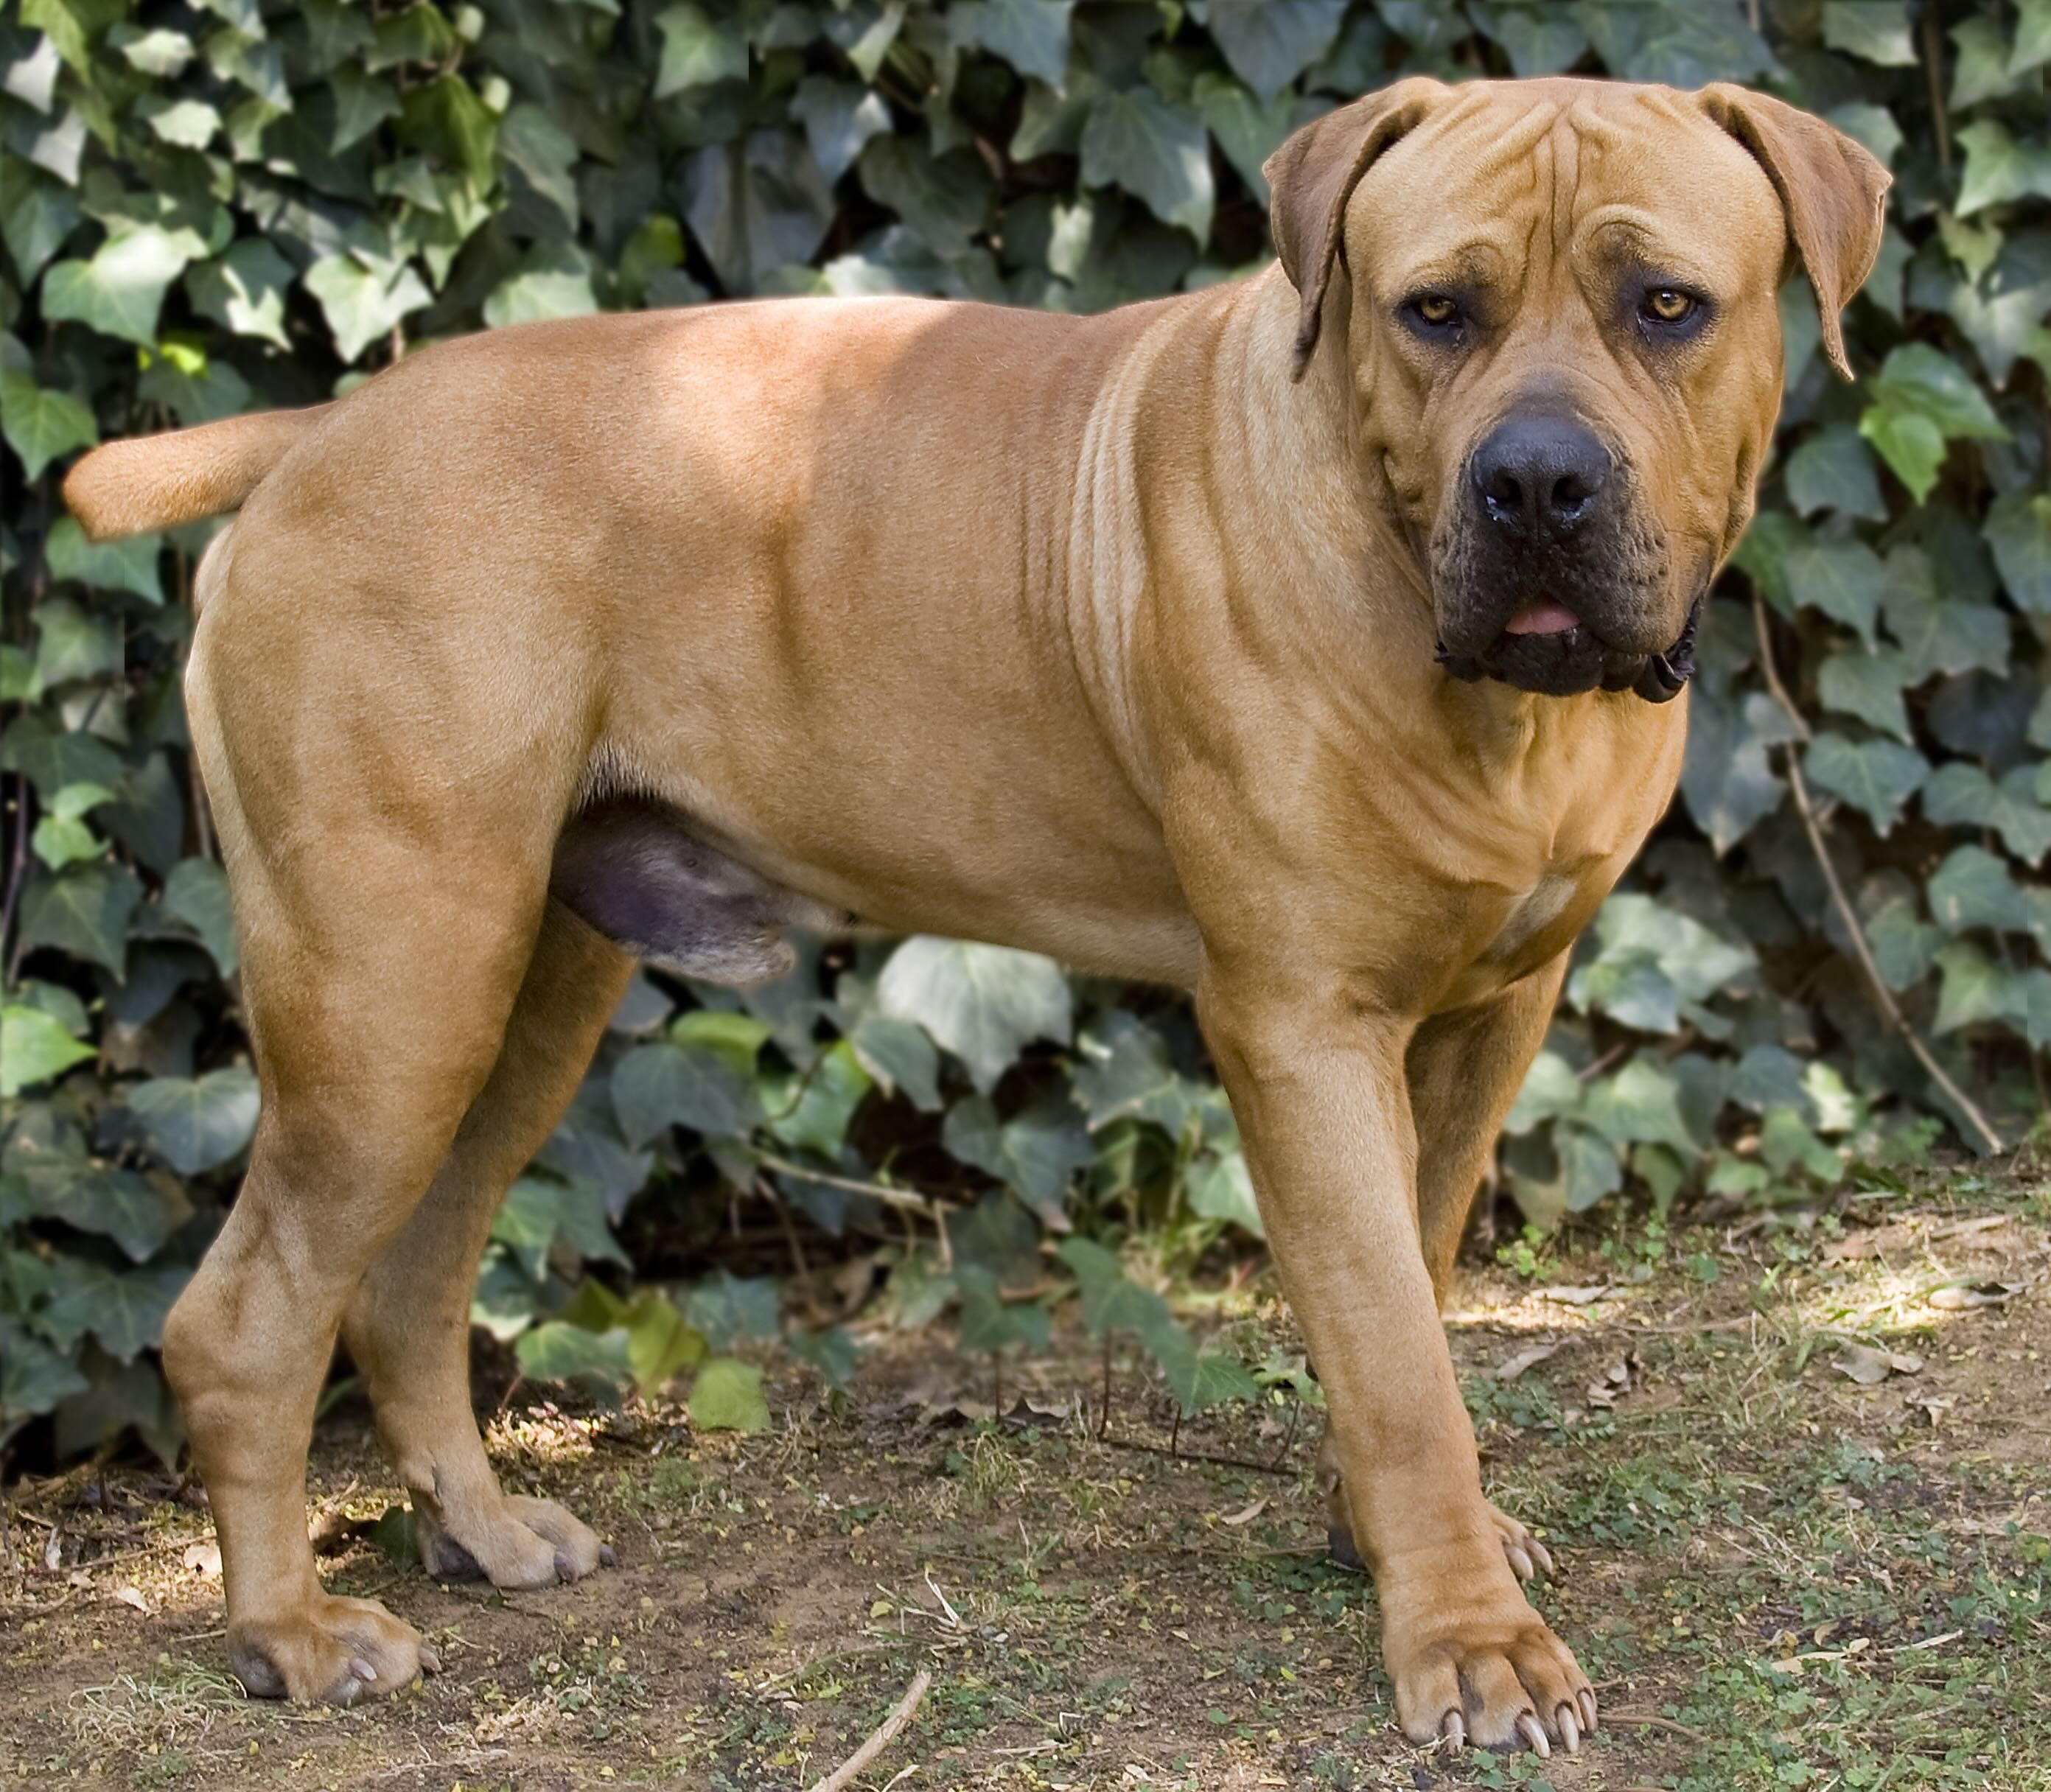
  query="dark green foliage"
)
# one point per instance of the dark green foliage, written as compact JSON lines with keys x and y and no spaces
{"x":212,"y":209}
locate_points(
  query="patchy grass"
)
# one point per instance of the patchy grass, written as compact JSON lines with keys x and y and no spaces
{"x":1777,"y":1576}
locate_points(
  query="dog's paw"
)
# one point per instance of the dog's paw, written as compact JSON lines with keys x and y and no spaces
{"x":1503,"y":1685}
{"x":335,"y":1652}
{"x":516,"y":1543}
{"x":1527,"y":1557}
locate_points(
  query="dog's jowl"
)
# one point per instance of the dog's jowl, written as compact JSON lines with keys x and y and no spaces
{"x":1317,"y":643}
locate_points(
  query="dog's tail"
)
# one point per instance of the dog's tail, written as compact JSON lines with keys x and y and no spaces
{"x":154,"y":481}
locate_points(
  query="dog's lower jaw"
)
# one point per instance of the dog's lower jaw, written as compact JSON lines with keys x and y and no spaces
{"x":1657,"y":677}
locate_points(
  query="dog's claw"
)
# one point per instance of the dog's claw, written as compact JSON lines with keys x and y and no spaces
{"x":362,"y":1668}
{"x":430,"y":1661}
{"x":1453,"y":1731}
{"x":1587,"y":1704}
{"x":607,"y":1558}
{"x":1533,"y":1732}
{"x":1540,"y":1554}
{"x":1570,"y":1733}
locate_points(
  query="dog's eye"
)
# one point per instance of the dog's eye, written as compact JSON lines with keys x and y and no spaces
{"x":1668,"y":305}
{"x":1435,"y":315}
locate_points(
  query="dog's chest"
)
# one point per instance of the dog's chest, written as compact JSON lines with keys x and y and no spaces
{"x":1530,"y":915}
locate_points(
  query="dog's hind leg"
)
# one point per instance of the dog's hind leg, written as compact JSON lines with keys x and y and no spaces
{"x":408,"y":1328}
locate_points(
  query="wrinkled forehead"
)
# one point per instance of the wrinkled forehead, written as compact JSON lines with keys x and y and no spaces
{"x":1506,"y":177}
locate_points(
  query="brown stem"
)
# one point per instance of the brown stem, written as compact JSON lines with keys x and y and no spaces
{"x":1854,"y":927}
{"x":1933,"y":63}
{"x":910,"y":1199}
{"x":1181,"y":1455}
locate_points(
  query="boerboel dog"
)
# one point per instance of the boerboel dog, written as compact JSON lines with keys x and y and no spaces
{"x":1306,"y":643}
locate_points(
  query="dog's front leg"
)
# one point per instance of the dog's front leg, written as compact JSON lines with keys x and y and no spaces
{"x":1319,"y":1087}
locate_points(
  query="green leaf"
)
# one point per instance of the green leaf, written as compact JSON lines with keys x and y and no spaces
{"x":1787,"y":1144}
{"x":1867,"y":682}
{"x":33,"y":1048}
{"x":982,"y":1003}
{"x":1158,"y":151}
{"x":559,"y":1352}
{"x":551,"y":280}
{"x":990,"y":1323}
{"x":1904,"y":945}
{"x":1982,"y":69}
{"x":361,"y":304}
{"x":1246,"y":130}
{"x":362,"y":102}
{"x":1973,"y":888}
{"x":2019,"y":530}
{"x":726,"y":1307}
{"x":243,"y":290}
{"x":1031,"y":35}
{"x":1999,"y":169}
{"x":840,"y":117}
{"x":661,"y":1085}
{"x":123,"y":1310}
{"x":75,"y":644}
{"x":1640,"y":1103}
{"x":39,"y":424}
{"x":1727,"y":778}
{"x":1874,"y":30}
{"x":1540,"y":39}
{"x":827,"y":1096}
{"x":129,"y":565}
{"x":120,"y":290}
{"x":1873,"y":126}
{"x":1833,"y":471}
{"x":901,"y":1056}
{"x":756,"y":205}
{"x":137,"y":1214}
{"x":831,"y":1352}
{"x":1109,"y":1301}
{"x":697,"y":50}
{"x":52,"y":756}
{"x":1961,"y":794}
{"x":946,"y":201}
{"x":1844,"y":579}
{"x":196,"y":894}
{"x":2033,"y":36}
{"x":1912,"y":444}
{"x":1220,"y":1187}
{"x":1939,"y":634}
{"x":33,"y":1378}
{"x":1974,"y":989}
{"x":661,"y":1343}
{"x":1876,"y":777}
{"x":1920,"y":379}
{"x":1035,"y":1153}
{"x":58,"y":841}
{"x":84,"y":911}
{"x":197,"y":1124}
{"x":37,"y":215}
{"x":1268,"y":43}
{"x":726,"y":1396}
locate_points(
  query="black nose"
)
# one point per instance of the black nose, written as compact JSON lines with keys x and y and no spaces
{"x":1538,"y":477}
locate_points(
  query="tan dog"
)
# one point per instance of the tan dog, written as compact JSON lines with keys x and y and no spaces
{"x":1300,"y":642}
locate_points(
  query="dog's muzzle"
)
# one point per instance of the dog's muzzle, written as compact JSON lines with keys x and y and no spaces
{"x":1658,"y":677}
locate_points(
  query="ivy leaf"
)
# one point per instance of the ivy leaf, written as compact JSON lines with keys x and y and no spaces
{"x":1962,"y":795}
{"x":1268,"y":43}
{"x":661,"y":1343}
{"x":726,"y":1307}
{"x":990,"y":1323}
{"x":128,"y":565}
{"x":196,"y":893}
{"x":361,"y":304}
{"x":1833,"y":471}
{"x":551,"y":280}
{"x":561,"y":1352}
{"x":1640,"y":1104}
{"x":840,"y":117}
{"x":982,"y":1003}
{"x":124,"y":1310}
{"x":828,"y":1094}
{"x":34,"y":1047}
{"x":726,"y":1396}
{"x":139,"y":1215}
{"x":1247,"y":130}
{"x":1220,"y":1187}
{"x":1867,"y":682}
{"x":1110,"y":1302}
{"x":1973,"y":888}
{"x":1843,"y":580}
{"x":1876,"y":777}
{"x":2019,"y":530}
{"x":1939,"y":634}
{"x":197,"y":1124}
{"x":661,"y":1085}
{"x":243,"y":290}
{"x":2033,"y":36}
{"x":1981,"y":71}
{"x":1035,"y":1153}
{"x":1919,"y":378}
{"x":1156,"y":151}
{"x":1727,"y":779}
{"x":1874,"y":30}
{"x":697,"y":50}
{"x":120,"y":290}
{"x":84,"y":911}
{"x":37,"y":215}
{"x":1031,"y":35}
{"x":40,"y":424}
{"x":1539,"y":40}
{"x":900,"y":1056}
{"x":1974,"y":989}
{"x":756,"y":205}
{"x":1123,"y":1071}
{"x":1999,"y":169}
{"x":546,"y":155}
{"x":33,"y":1378}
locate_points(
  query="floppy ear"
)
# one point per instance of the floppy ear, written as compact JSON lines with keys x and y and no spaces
{"x":1834,"y":192}
{"x":1312,"y":176}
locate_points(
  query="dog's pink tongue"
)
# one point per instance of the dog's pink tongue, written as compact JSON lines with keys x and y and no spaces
{"x":1542,"y":615}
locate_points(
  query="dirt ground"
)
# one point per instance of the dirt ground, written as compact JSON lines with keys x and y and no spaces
{"x":1776,"y":1574}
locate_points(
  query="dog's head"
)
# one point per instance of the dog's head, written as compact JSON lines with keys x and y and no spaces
{"x":1558,"y":299}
